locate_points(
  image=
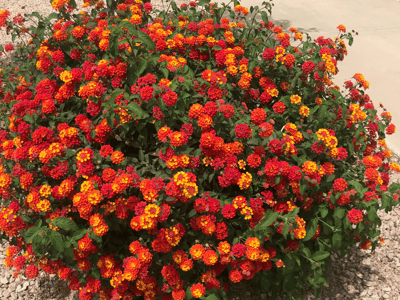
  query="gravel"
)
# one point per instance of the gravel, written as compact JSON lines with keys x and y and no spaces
{"x":361,"y":275}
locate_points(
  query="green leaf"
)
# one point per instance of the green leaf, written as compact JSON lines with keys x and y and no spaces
{"x":307,"y":252}
{"x":95,"y":273}
{"x":322,"y":113}
{"x":65,"y":223}
{"x":110,"y":120}
{"x":269,"y":217}
{"x":145,"y":38}
{"x":52,"y":16}
{"x":38,"y":245}
{"x":79,"y":234}
{"x":297,"y":260}
{"x":330,"y":178}
{"x":303,"y":185}
{"x":337,"y":240}
{"x":189,"y":293}
{"x":203,"y":3}
{"x":357,"y":186}
{"x":320,"y":255}
{"x":324,"y":211}
{"x":372,"y":214}
{"x":264,"y":16}
{"x":285,"y":229}
{"x":28,"y":118}
{"x":31,"y":233}
{"x":69,"y":254}
{"x":128,"y":25}
{"x":192,"y":213}
{"x":57,"y":241}
{"x":350,"y":40}
{"x":136,"y":111}
{"x":114,"y":49}
{"x":26,"y":219}
{"x":212,"y":297}
{"x":165,"y":72}
{"x":141,"y":67}
{"x":174,"y":6}
{"x":385,"y":201}
{"x":311,"y":229}
{"x":339,"y":212}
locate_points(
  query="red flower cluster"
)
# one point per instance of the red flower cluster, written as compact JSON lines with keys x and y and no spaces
{"x":151,"y":166}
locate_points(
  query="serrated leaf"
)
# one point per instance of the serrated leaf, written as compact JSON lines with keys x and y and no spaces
{"x":52,"y":16}
{"x":128,"y":25}
{"x":372,"y":215}
{"x":57,"y":241}
{"x":31,"y":233}
{"x":324,"y":212}
{"x":113,"y":45}
{"x":110,"y":120}
{"x":307,"y":252}
{"x":68,"y":254}
{"x":357,"y":186}
{"x":297,"y":260}
{"x":351,"y":40}
{"x":203,"y":2}
{"x":322,"y":113}
{"x":269,"y":217}
{"x":330,"y":178}
{"x":320,"y":255}
{"x":311,"y":229}
{"x":174,"y":6}
{"x":264,"y":16}
{"x":189,"y":293}
{"x":145,"y":38}
{"x":303,"y":186}
{"x":192,"y":213}
{"x":212,"y":297}
{"x":65,"y":223}
{"x":141,"y":67}
{"x":339,"y":212}
{"x":337,"y":240}
{"x":136,"y":111}
{"x":28,"y":118}
{"x":165,"y":72}
{"x":79,"y":234}
{"x":285,"y":229}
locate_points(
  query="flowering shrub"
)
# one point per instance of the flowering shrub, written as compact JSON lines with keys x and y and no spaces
{"x":172,"y":155}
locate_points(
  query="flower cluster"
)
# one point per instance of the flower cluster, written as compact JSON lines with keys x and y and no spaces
{"x":166,"y":157}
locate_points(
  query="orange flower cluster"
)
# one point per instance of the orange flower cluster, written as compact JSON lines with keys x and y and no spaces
{"x":300,"y":232}
{"x":58,"y":4}
{"x":75,"y":143}
{"x":173,"y":63}
{"x":361,"y":80}
{"x":182,"y":187}
{"x":10,"y":222}
{"x":100,"y":227}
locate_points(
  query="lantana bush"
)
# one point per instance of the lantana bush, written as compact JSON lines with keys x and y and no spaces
{"x":182,"y":153}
